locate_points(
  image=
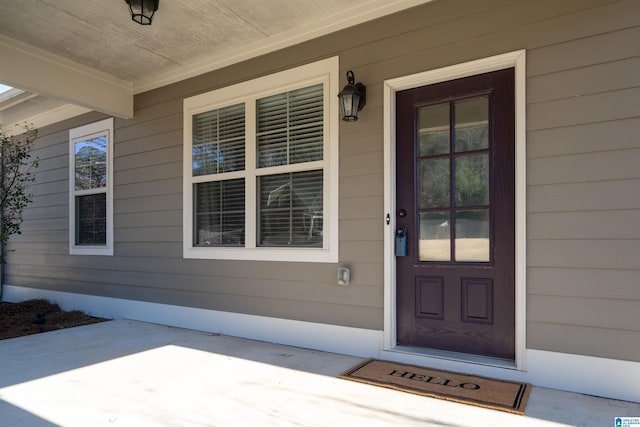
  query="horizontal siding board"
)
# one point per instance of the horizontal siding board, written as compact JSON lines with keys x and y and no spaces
{"x":52,"y":164}
{"x":361,"y":143}
{"x":361,"y":164}
{"x":621,"y":254}
{"x":588,"y":167}
{"x":585,"y":283}
{"x":148,"y":204}
{"x":151,"y":112}
{"x":30,"y":225}
{"x":159,"y":156}
{"x":46,"y":188}
{"x":586,"y":312}
{"x":15,"y":249}
{"x":601,"y":107}
{"x":153,"y":188}
{"x":60,"y":131}
{"x":148,"y":234}
{"x":590,"y":196}
{"x":52,"y":199}
{"x":362,"y":230}
{"x":585,"y":138}
{"x":585,"y":51}
{"x":35,"y":236}
{"x":613,"y":344}
{"x":361,"y":207}
{"x":46,"y":176}
{"x":149,"y":249}
{"x":363,"y":274}
{"x":157,"y":126}
{"x":148,"y":173}
{"x":607,"y":77}
{"x":51,"y":211}
{"x":338,"y":314}
{"x":165,"y":218}
{"x":294,"y":291}
{"x":611,"y":224}
{"x":148,"y":144}
{"x":362,"y":251}
{"x":56,"y":149}
{"x":488,"y":25}
{"x":361,"y":185}
{"x":426,"y":51}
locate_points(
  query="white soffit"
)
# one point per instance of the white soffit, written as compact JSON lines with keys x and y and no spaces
{"x":347,"y":18}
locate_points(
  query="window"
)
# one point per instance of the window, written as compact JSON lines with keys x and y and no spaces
{"x":90,"y":184}
{"x":261,"y":167}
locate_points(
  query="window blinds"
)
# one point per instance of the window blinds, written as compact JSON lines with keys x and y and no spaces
{"x":290,"y":127}
{"x":219,"y":141}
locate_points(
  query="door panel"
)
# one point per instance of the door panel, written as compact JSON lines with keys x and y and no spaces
{"x":455,"y":289}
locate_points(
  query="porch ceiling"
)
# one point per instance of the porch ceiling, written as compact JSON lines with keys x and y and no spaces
{"x":90,"y":55}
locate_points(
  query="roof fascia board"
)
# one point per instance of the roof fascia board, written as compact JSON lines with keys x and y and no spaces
{"x":41,"y":72}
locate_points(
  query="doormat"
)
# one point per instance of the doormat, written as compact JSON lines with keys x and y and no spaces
{"x":489,"y":393}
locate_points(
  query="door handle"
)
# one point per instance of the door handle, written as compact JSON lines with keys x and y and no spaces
{"x":401,"y":242}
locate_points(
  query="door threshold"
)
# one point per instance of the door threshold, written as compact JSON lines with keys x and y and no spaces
{"x":452,"y":356}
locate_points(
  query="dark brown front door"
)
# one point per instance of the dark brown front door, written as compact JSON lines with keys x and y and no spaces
{"x":455,"y":287}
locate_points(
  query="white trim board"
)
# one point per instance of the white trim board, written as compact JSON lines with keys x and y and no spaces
{"x":41,"y":72}
{"x":615,"y":379}
{"x":331,"y":338}
{"x":515,"y":60}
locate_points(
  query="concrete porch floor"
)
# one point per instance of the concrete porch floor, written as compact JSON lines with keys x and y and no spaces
{"x":129,"y":373}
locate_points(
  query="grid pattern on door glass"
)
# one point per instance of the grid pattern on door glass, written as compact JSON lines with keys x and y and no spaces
{"x":453,"y":153}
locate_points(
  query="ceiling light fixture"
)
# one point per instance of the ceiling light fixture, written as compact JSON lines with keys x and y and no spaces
{"x":142,"y":10}
{"x":352,"y":98}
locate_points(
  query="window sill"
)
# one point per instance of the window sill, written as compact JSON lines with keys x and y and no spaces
{"x":91,"y":250}
{"x":263,"y":254}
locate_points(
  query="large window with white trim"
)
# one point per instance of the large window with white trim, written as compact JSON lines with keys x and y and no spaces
{"x":261,"y":165}
{"x":90,"y":189}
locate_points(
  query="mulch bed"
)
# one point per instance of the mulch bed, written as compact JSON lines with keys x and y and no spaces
{"x":16,"y":319}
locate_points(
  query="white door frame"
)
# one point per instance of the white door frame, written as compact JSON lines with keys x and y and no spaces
{"x":516,"y":60}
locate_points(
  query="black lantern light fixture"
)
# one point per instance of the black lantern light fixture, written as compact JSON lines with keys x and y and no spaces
{"x":352,"y":98}
{"x":142,"y":10}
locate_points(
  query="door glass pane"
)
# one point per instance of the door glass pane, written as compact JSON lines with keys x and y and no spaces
{"x":472,"y":124}
{"x":472,"y":235}
{"x":433,"y":183}
{"x":472,"y":180}
{"x":435,"y":237}
{"x":433,"y":130}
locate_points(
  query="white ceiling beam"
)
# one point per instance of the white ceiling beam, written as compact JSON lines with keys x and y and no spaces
{"x":41,"y":72}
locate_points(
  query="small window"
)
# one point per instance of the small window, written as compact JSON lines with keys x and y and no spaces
{"x":90,"y":182}
{"x":261,"y":168}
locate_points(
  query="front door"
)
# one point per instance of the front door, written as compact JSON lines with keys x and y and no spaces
{"x":455,"y":183}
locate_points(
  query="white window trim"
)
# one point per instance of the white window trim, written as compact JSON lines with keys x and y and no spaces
{"x":324,"y":71}
{"x":516,"y":60}
{"x":90,"y":130}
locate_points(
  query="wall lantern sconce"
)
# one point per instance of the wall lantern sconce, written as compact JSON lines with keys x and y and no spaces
{"x":352,"y":98}
{"x":142,"y":10}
